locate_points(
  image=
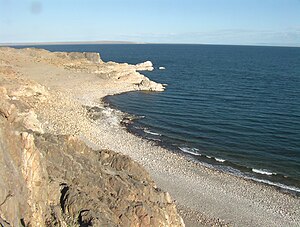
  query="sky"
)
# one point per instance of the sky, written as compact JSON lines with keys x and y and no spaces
{"x":239,"y":22}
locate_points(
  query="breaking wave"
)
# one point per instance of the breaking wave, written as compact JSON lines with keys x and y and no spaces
{"x":263,"y":171}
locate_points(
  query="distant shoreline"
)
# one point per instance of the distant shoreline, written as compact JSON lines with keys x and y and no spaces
{"x":68,"y":43}
{"x":136,"y":43}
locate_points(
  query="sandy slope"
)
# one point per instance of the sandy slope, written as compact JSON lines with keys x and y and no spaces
{"x":204,"y":196}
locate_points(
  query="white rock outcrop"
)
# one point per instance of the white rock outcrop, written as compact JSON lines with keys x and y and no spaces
{"x":145,"y":66}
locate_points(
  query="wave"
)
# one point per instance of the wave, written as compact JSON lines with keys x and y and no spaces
{"x":189,"y":150}
{"x":220,"y":160}
{"x":194,"y":151}
{"x":279,"y":185}
{"x":244,"y":175}
{"x":152,"y":133}
{"x":263,"y":171}
{"x":138,"y":117}
{"x":229,"y":169}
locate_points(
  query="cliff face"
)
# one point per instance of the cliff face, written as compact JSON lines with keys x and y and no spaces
{"x":56,"y":180}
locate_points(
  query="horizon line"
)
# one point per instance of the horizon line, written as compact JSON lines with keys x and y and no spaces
{"x":7,"y":44}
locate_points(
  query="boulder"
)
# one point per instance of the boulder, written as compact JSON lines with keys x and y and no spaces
{"x":145,"y":66}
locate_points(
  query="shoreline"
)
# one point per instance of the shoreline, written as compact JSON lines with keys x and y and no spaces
{"x":203,"y":196}
{"x":191,"y":214}
{"x":214,"y":164}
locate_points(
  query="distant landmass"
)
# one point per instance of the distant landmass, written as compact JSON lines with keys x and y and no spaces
{"x":75,"y":42}
{"x":131,"y":42}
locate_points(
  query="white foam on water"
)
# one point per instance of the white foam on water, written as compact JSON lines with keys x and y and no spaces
{"x":189,"y":150}
{"x":237,"y":172}
{"x":152,"y":133}
{"x":241,"y":174}
{"x":263,"y":171}
{"x":283,"y":186}
{"x":113,"y":116}
{"x":220,"y":160}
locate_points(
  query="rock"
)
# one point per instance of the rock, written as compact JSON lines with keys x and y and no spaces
{"x":145,"y":66}
{"x":7,"y":109}
{"x":147,"y":85}
{"x":28,"y":90}
{"x":31,"y":122}
{"x":92,"y":57}
{"x":161,"y":68}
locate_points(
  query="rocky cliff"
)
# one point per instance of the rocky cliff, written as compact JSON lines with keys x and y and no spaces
{"x":51,"y":179}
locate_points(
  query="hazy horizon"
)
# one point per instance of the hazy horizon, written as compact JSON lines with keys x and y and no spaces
{"x":231,"y":22}
{"x":112,"y":42}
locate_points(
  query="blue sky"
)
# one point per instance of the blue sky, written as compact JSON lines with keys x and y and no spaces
{"x":263,"y":22}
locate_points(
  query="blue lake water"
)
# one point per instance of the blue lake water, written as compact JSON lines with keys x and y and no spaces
{"x":234,"y":107}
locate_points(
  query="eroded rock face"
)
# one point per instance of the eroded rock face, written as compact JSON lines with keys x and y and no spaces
{"x":101,"y":187}
{"x":92,"y":57}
